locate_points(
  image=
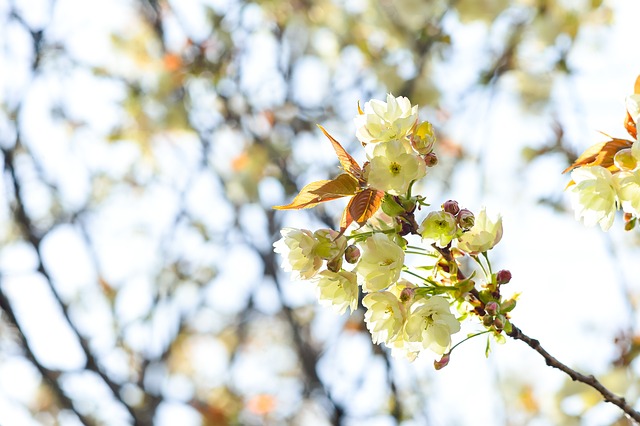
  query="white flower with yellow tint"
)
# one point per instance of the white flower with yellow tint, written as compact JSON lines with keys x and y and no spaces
{"x":297,"y":248}
{"x":439,"y":226}
{"x":380,"y":263}
{"x":393,"y":166}
{"x":430,"y":325}
{"x":633,"y":107}
{"x":385,"y":121}
{"x":384,"y":316}
{"x":628,"y":189}
{"x":337,"y":289}
{"x":483,"y":236}
{"x":594,"y":196}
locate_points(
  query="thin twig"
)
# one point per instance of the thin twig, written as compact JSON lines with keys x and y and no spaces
{"x":591,"y":381}
{"x":50,"y":377}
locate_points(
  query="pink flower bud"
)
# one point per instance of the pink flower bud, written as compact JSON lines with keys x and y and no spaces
{"x":451,"y":206}
{"x":499,"y":322}
{"x":352,"y":254}
{"x":431,"y":159}
{"x":466,"y":219}
{"x":407,"y":294}
{"x":439,"y":365}
{"x":503,"y":276}
{"x":492,"y":308}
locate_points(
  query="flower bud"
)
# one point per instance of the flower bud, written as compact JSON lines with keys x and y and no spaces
{"x":443,"y":362}
{"x":423,"y":138}
{"x":335,"y":264}
{"x":499,"y":322}
{"x":487,"y":320}
{"x":503,"y":276}
{"x":451,"y":206}
{"x":407,"y":294}
{"x":492,"y":308}
{"x":352,"y":254}
{"x":431,"y":159}
{"x":624,"y":160}
{"x":507,"y":306}
{"x":466,"y":219}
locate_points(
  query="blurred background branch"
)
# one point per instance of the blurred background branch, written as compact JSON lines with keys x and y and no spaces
{"x":144,"y":143}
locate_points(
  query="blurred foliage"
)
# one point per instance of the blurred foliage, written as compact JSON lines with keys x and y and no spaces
{"x":144,"y":143}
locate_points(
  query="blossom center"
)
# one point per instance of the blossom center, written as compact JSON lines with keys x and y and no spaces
{"x":395,"y":168}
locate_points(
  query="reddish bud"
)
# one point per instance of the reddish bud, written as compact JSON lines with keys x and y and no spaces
{"x":503,"y":276}
{"x":451,"y":206}
{"x":492,"y":308}
{"x":439,"y":365}
{"x":352,"y":254}
{"x":407,"y":294}
{"x":466,"y":219}
{"x":431,"y":159}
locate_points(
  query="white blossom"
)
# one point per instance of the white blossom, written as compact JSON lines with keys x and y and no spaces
{"x":384,"y":316}
{"x":392,"y":167}
{"x":430,"y":324}
{"x":628,"y":189}
{"x":297,"y":248}
{"x":380,"y":263}
{"x":483,"y":236}
{"x":594,"y":196}
{"x":385,"y":121}
{"x":337,"y":289}
{"x":439,"y":226}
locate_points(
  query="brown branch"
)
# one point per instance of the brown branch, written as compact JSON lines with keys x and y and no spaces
{"x":31,"y":234}
{"x":591,"y":381}
{"x":50,"y":377}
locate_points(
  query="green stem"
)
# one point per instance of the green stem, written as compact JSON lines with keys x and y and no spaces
{"x":418,"y":248}
{"x":486,"y":256}
{"x":427,"y":280}
{"x":421,"y":253}
{"x":467,"y":338}
{"x":475,"y":257}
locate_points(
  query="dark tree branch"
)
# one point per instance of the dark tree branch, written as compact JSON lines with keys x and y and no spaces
{"x":50,"y":377}
{"x":31,"y":234}
{"x":590,"y":381}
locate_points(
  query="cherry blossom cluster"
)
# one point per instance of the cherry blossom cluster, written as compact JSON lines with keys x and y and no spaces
{"x":411,"y":307}
{"x":607,"y":177}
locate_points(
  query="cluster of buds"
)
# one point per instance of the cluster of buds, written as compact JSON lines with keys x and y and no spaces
{"x":408,"y":312}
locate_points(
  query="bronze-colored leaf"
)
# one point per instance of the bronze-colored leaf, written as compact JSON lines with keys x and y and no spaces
{"x":347,"y":162}
{"x":600,"y":154}
{"x":361,"y":207}
{"x":364,"y":204}
{"x":321,"y":191}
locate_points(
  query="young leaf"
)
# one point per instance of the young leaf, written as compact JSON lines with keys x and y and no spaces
{"x":321,"y":191}
{"x":601,"y":154}
{"x":364,"y":204}
{"x":349,"y":165}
